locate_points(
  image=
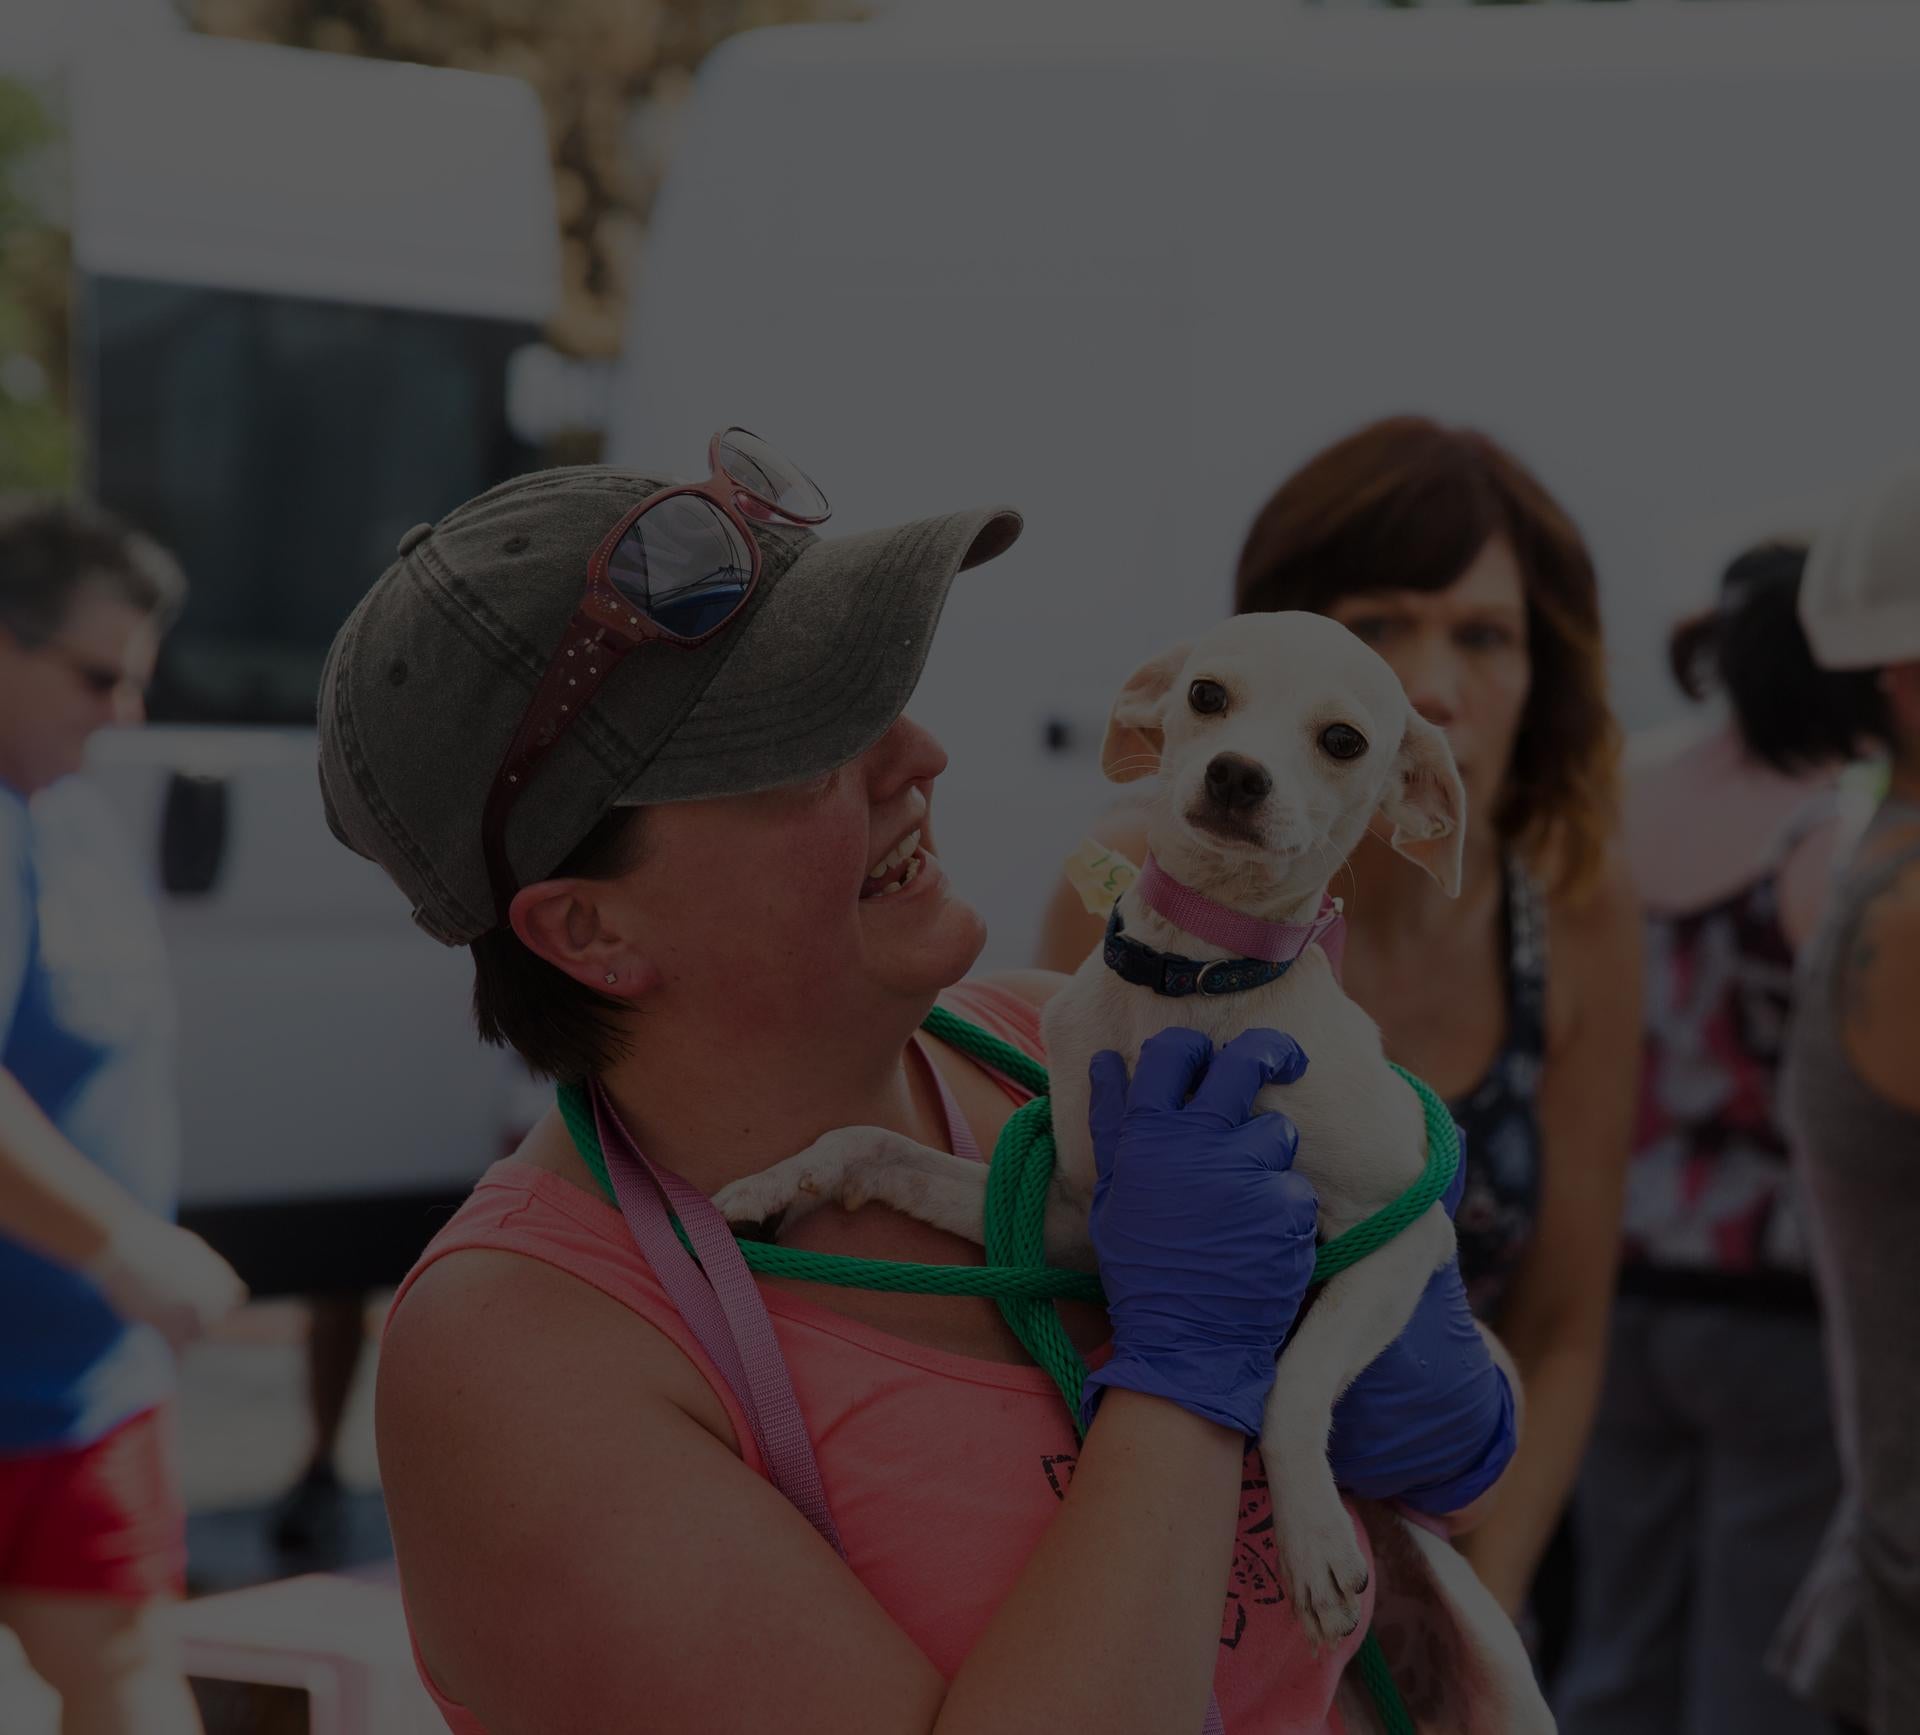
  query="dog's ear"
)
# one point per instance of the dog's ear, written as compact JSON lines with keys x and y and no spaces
{"x":1134,"y":736}
{"x":1426,"y":803}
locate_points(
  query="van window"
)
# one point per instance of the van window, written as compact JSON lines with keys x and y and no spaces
{"x":280,"y":447}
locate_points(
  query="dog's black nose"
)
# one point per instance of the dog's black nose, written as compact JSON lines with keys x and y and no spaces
{"x":1235,"y":782}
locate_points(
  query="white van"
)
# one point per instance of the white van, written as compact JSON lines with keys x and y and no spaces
{"x":300,"y":281}
{"x":1125,"y":267}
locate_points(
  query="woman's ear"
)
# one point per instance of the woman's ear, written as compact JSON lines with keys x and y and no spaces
{"x":1427,"y":804}
{"x":563,"y":922}
{"x":1134,"y":734}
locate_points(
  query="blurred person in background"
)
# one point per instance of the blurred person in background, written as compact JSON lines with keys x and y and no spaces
{"x":1851,"y":1097}
{"x":97,"y":1286}
{"x":1446,"y":555}
{"x":1712,"y":1469}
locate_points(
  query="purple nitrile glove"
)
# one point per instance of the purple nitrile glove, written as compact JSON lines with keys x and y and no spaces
{"x":1204,"y":1233}
{"x":1430,"y":1421}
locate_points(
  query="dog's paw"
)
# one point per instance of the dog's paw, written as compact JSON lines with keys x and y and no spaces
{"x":836,"y":1169}
{"x":1323,"y":1570}
{"x":776,"y":1197}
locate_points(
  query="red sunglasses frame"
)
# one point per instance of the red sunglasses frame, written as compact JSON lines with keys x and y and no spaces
{"x":603,"y":630}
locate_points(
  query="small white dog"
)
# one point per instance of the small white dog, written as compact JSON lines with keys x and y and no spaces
{"x":1276,"y":741}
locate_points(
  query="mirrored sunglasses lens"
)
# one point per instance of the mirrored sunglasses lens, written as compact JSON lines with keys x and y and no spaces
{"x":758,"y":468}
{"x":684,"y":564}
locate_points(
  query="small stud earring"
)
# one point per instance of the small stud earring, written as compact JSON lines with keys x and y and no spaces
{"x":611,"y":978}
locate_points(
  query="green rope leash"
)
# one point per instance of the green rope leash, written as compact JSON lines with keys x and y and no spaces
{"x":1017,"y":1275}
{"x":1039,"y":1281}
{"x":1025,"y":1138}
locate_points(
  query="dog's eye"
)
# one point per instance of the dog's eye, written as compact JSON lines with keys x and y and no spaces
{"x":1343,"y":741}
{"x":1209,"y":698}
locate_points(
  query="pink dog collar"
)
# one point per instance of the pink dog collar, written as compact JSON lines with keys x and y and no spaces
{"x":1250,"y":936}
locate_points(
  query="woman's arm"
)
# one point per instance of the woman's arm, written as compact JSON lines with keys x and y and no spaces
{"x":1555,"y":1318}
{"x":582,"y":1548}
{"x":1068,"y":932}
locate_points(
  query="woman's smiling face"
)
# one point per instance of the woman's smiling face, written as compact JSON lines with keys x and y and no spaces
{"x":775,"y":894}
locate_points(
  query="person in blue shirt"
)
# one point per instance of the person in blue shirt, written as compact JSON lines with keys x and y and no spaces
{"x":98,"y":1286}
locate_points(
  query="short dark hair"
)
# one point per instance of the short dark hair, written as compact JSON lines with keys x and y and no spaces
{"x":51,"y":550}
{"x":562,"y":1029}
{"x":1791,"y":713}
{"x":1407,"y":504}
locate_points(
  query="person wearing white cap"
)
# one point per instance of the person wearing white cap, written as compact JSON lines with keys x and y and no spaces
{"x":1851,"y":1642}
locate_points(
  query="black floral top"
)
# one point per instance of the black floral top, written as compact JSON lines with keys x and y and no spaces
{"x":1501,"y":1117}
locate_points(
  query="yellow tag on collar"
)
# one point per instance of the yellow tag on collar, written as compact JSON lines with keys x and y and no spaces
{"x":1099,"y":875}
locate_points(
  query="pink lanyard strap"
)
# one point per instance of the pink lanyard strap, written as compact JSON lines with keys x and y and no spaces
{"x":720,"y":1302}
{"x":959,"y":1134}
{"x":722,"y":1307}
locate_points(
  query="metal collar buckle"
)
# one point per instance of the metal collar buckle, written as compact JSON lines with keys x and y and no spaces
{"x":1200,"y":981}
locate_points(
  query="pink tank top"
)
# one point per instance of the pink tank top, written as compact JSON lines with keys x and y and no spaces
{"x":941,"y":1470}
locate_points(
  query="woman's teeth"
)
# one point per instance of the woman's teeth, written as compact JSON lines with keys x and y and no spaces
{"x":895,"y":857}
{"x":886,"y":877}
{"x":905,"y":880}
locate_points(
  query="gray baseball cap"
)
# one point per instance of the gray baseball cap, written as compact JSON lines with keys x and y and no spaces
{"x":1860,"y":598}
{"x":427,"y":680}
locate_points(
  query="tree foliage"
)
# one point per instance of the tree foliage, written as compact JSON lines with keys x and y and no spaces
{"x":36,"y":446}
{"x":610,"y":75}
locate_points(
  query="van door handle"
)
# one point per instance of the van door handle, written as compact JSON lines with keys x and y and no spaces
{"x":193,"y":834}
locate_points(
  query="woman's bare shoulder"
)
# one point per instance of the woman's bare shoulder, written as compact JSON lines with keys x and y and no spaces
{"x":532,"y":1433}
{"x":481,"y":1321}
{"x":1597,"y":910}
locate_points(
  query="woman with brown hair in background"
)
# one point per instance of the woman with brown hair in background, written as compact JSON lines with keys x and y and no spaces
{"x":1441,"y":551}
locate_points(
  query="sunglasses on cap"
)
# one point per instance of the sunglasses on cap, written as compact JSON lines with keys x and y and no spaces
{"x":674,"y":570}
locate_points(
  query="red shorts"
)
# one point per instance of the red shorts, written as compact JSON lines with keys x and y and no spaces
{"x":100,"y":1520}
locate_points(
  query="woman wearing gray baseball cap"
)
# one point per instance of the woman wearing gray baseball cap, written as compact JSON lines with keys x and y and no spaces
{"x":641,"y":746}
{"x":1851,"y":1097}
